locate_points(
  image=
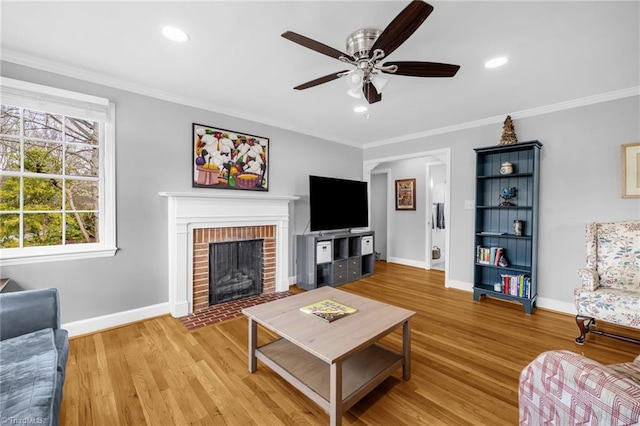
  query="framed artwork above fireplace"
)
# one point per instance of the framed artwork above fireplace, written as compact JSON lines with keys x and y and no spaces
{"x":226,"y":159}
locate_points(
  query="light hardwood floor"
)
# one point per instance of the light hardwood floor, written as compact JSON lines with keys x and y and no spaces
{"x":466,"y":359}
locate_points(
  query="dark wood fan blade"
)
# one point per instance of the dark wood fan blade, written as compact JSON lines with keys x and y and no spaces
{"x":423,"y":69}
{"x":370,"y":93}
{"x":401,"y":28}
{"x":317,"y":81}
{"x":314,"y":45}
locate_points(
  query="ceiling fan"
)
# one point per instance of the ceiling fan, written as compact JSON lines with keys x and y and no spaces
{"x":367,"y":50}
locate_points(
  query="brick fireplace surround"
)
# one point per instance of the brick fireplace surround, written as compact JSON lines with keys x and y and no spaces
{"x":201,"y":239}
{"x":199,"y":217}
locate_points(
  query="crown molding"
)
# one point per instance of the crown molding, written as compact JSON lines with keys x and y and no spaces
{"x":92,"y":77}
{"x":97,"y":78}
{"x":560,"y":106}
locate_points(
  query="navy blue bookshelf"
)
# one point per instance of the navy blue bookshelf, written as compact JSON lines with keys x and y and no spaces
{"x":494,"y":223}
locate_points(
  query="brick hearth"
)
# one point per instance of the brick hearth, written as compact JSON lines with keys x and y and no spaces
{"x":201,"y":239}
{"x":228,"y":310}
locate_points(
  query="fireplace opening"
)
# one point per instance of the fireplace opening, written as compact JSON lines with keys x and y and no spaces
{"x":235,"y":270}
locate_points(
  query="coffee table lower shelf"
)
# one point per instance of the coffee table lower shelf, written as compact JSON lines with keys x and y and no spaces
{"x":361,"y":372}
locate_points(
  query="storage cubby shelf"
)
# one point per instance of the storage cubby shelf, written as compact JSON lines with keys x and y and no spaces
{"x":333,"y":259}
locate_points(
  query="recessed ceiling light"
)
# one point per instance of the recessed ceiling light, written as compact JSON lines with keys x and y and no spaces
{"x":174,"y":34}
{"x":360,"y":108}
{"x":496,"y":62}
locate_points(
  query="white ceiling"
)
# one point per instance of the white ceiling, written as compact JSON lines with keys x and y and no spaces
{"x":236,"y":62}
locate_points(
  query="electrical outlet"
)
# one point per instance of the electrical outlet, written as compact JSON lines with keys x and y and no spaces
{"x":469,"y":204}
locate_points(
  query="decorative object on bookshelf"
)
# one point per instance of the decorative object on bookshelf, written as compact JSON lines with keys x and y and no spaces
{"x":506,"y":168}
{"x":507,"y":193}
{"x":508,"y":132}
{"x":406,"y":194}
{"x":631,"y":170}
{"x":328,"y":310}
{"x":503,"y":262}
{"x":518,"y":227}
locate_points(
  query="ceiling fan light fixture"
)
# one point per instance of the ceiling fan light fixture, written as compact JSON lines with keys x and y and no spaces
{"x":496,"y":62}
{"x":175,"y":34}
{"x":354,"y":93}
{"x":379,"y":82}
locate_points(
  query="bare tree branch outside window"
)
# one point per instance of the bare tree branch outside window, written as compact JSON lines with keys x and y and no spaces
{"x":49,"y":164}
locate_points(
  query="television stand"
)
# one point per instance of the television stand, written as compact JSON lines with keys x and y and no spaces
{"x":333,"y":259}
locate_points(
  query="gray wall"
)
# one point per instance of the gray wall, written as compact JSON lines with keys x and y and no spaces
{"x":410,"y":224}
{"x":580,"y":183}
{"x":153,"y":154}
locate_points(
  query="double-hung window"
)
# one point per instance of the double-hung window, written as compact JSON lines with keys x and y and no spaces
{"x":57,"y":183}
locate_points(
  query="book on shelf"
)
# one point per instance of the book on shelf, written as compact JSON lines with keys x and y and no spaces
{"x":488,"y":255}
{"x":496,"y":259}
{"x":328,"y":310}
{"x":516,"y":285}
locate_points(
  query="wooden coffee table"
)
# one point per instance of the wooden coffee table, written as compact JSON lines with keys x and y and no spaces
{"x":333,"y":363}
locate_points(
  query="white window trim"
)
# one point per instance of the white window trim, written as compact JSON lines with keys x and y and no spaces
{"x":50,"y":99}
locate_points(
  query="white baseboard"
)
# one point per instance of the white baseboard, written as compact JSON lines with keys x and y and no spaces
{"x":407,"y":262}
{"x":556,"y":305}
{"x":91,"y":325}
{"x":460,"y":285}
{"x":541,"y":302}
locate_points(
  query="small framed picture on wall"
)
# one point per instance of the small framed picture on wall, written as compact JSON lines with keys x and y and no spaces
{"x":406,"y":194}
{"x":631,"y":170}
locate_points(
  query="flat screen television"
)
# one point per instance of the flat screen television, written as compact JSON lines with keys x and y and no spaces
{"x":337,"y":204}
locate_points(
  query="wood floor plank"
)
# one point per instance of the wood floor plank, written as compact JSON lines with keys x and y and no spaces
{"x":466,"y":361}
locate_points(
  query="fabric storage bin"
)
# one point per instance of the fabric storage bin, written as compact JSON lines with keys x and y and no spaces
{"x":323,"y":252}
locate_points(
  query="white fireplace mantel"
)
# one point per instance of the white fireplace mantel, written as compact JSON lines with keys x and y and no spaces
{"x":193,"y":210}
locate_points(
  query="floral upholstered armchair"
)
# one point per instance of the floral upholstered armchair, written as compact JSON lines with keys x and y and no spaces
{"x":610,"y":288}
{"x":566,"y":388}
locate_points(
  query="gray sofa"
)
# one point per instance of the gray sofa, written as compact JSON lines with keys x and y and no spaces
{"x":33,"y":357}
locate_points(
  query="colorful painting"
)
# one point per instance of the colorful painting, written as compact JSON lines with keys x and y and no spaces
{"x":405,"y":194}
{"x":229,"y":160}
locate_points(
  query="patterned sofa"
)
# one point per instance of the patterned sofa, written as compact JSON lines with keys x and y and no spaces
{"x":610,"y":288}
{"x":565,"y":388}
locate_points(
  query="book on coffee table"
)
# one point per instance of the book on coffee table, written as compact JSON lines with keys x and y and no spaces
{"x":328,"y":310}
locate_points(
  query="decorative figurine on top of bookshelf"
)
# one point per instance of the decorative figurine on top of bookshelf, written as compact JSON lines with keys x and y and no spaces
{"x":508,"y":132}
{"x":506,"y":194}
